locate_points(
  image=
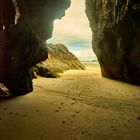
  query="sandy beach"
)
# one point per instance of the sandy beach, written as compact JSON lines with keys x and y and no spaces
{"x":80,"y":105}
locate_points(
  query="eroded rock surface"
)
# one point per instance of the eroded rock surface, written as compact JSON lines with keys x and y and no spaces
{"x":22,"y":43}
{"x":116,"y":37}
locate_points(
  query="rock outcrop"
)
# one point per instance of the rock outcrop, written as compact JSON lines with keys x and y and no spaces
{"x":59,"y":60}
{"x":25,"y":25}
{"x":116,"y":37}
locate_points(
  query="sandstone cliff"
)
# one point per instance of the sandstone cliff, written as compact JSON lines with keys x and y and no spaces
{"x":59,"y":60}
{"x":116,"y":37}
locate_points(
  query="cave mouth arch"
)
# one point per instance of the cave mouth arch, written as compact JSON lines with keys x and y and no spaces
{"x":73,"y":31}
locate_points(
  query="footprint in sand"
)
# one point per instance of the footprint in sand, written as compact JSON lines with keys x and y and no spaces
{"x":113,"y":127}
{"x":74,"y":128}
{"x":16,"y":113}
{"x":77,"y":111}
{"x":37,"y":110}
{"x":125,"y":125}
{"x":73,"y":116}
{"x":0,"y":119}
{"x":74,"y":99}
{"x":83,"y":132}
{"x":71,"y":121}
{"x":63,"y":122}
{"x":24,"y":116}
{"x":129,"y":120}
{"x":5,"y":108}
{"x":61,"y":103}
{"x":57,"y":110}
{"x":73,"y":103}
{"x":10,"y":113}
{"x":86,"y":133}
{"x":59,"y":107}
{"x":89,"y":134}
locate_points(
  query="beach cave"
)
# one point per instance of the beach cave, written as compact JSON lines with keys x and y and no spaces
{"x":26,"y":25}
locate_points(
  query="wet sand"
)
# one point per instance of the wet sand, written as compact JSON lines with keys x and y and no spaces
{"x":78,"y":106}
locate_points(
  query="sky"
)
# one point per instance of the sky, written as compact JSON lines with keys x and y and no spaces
{"x":73,"y":31}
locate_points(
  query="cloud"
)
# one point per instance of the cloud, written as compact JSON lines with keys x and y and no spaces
{"x":78,"y":45}
{"x":86,"y":53}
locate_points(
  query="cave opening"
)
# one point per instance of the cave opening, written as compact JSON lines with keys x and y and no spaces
{"x":74,"y":32}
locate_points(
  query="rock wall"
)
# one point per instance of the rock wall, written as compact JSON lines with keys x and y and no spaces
{"x":22,"y":42}
{"x":116,"y":37}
